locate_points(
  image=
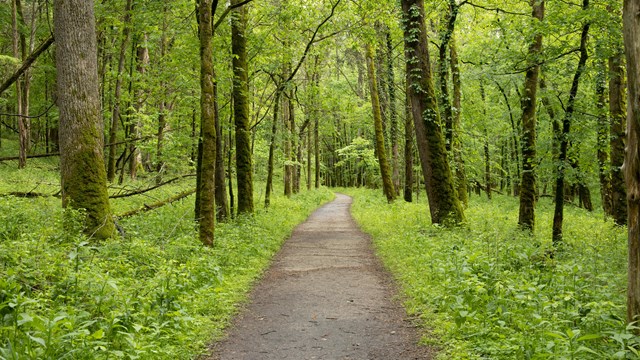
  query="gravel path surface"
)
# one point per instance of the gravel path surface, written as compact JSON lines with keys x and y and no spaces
{"x":326,"y":296}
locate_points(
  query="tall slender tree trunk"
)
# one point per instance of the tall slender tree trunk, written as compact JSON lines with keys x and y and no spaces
{"x":526,"y":217}
{"x":393,"y":115}
{"x":631,"y":30}
{"x":222,"y":204}
{"x":142,"y":61}
{"x":162,"y":107}
{"x":487,"y":158}
{"x":206,"y":186}
{"x":83,"y":175}
{"x":316,"y":149}
{"x":515,"y":145}
{"x":408,"y":151}
{"x":272,"y":145}
{"x":287,"y":110}
{"x":558,"y":213}
{"x":244,"y":167}
{"x":603,"y":139}
{"x":22,"y":161}
{"x":458,"y":161}
{"x":385,"y":171}
{"x":443,"y":201}
{"x":115,"y":115}
{"x":617,"y":129}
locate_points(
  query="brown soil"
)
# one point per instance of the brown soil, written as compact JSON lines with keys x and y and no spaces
{"x":326,"y":296}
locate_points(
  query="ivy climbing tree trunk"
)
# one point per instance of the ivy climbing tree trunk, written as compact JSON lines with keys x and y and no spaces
{"x":385,"y":171}
{"x":206,"y":167}
{"x":244,"y":168}
{"x":408,"y":152}
{"x":393,"y":116}
{"x":631,"y":31}
{"x":443,"y":201}
{"x":83,"y":175}
{"x":526,"y":216}
{"x":564,"y":136}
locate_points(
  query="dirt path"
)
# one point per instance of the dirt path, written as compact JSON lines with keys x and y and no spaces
{"x":325,"y":297}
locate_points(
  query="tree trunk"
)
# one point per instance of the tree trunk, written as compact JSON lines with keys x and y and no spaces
{"x":287,"y":110}
{"x":631,"y":31}
{"x":83,"y":175}
{"x":487,"y":158}
{"x":443,"y":202}
{"x":408,"y":152}
{"x":603,"y":139}
{"x":385,"y":171}
{"x":316,"y":149}
{"x":393,"y":116}
{"x":617,"y":114}
{"x":272,"y":145}
{"x":115,"y":116}
{"x":244,"y":167}
{"x":515,"y":145}
{"x":22,"y":162}
{"x":222,"y":205}
{"x":526,"y":217}
{"x":458,"y":161}
{"x":564,"y":137}
{"x":142,"y":61}
{"x":206,"y":169}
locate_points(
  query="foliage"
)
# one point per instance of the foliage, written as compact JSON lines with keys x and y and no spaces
{"x":154,"y":294}
{"x":489,"y":291}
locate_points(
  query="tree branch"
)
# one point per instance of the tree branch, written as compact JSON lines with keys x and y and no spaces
{"x":26,"y":64}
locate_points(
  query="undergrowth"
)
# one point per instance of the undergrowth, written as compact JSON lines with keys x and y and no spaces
{"x":487,"y":290}
{"x":154,"y":294}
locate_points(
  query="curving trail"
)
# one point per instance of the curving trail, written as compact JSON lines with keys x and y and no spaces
{"x":325,"y":297}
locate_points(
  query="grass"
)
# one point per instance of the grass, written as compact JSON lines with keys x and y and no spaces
{"x":486,"y":290}
{"x":154,"y":294}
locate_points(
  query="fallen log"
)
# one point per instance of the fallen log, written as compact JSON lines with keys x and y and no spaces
{"x":149,"y":207}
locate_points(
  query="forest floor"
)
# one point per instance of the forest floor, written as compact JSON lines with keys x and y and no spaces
{"x":326,"y":296}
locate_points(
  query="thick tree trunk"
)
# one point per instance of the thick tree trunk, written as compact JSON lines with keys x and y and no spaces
{"x":617,"y":114}
{"x":206,"y":186}
{"x":631,"y":30}
{"x":244,"y":167}
{"x":526,"y":217}
{"x":385,"y":171}
{"x":564,"y":137}
{"x":443,"y":202}
{"x":115,"y":116}
{"x":83,"y":175}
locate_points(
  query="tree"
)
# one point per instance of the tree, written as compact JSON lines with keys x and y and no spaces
{"x":443,"y":202}
{"x":83,"y":174}
{"x":631,"y":31}
{"x":207,"y":160}
{"x":526,"y":217}
{"x":244,"y":168}
{"x":617,"y":130}
{"x":385,"y":171}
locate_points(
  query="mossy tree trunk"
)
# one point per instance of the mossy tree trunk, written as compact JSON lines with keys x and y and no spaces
{"x":408,"y":152}
{"x":631,"y":31}
{"x":564,"y":136}
{"x":385,"y":171}
{"x":617,"y":130}
{"x":526,"y":215}
{"x":443,"y":201}
{"x":393,"y":115}
{"x":244,"y":167}
{"x":83,"y":175}
{"x":206,"y":167}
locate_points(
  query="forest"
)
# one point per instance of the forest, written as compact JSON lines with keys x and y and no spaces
{"x":155,"y":155}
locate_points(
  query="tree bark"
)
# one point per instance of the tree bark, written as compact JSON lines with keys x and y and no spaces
{"x":83,"y":174}
{"x":631,"y":31}
{"x":526,"y":217}
{"x":115,"y":116}
{"x":385,"y":171}
{"x":244,"y":167}
{"x":142,"y":61}
{"x":206,"y":169}
{"x":564,"y":136}
{"x":617,"y":129}
{"x":393,"y":115}
{"x":272,"y":145}
{"x":443,"y":202}
{"x":22,"y":162}
{"x":408,"y":152}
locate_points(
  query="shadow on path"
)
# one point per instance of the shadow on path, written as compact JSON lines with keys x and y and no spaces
{"x":324,"y":297}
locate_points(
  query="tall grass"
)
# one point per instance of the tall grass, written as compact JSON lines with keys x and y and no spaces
{"x":487,"y":290}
